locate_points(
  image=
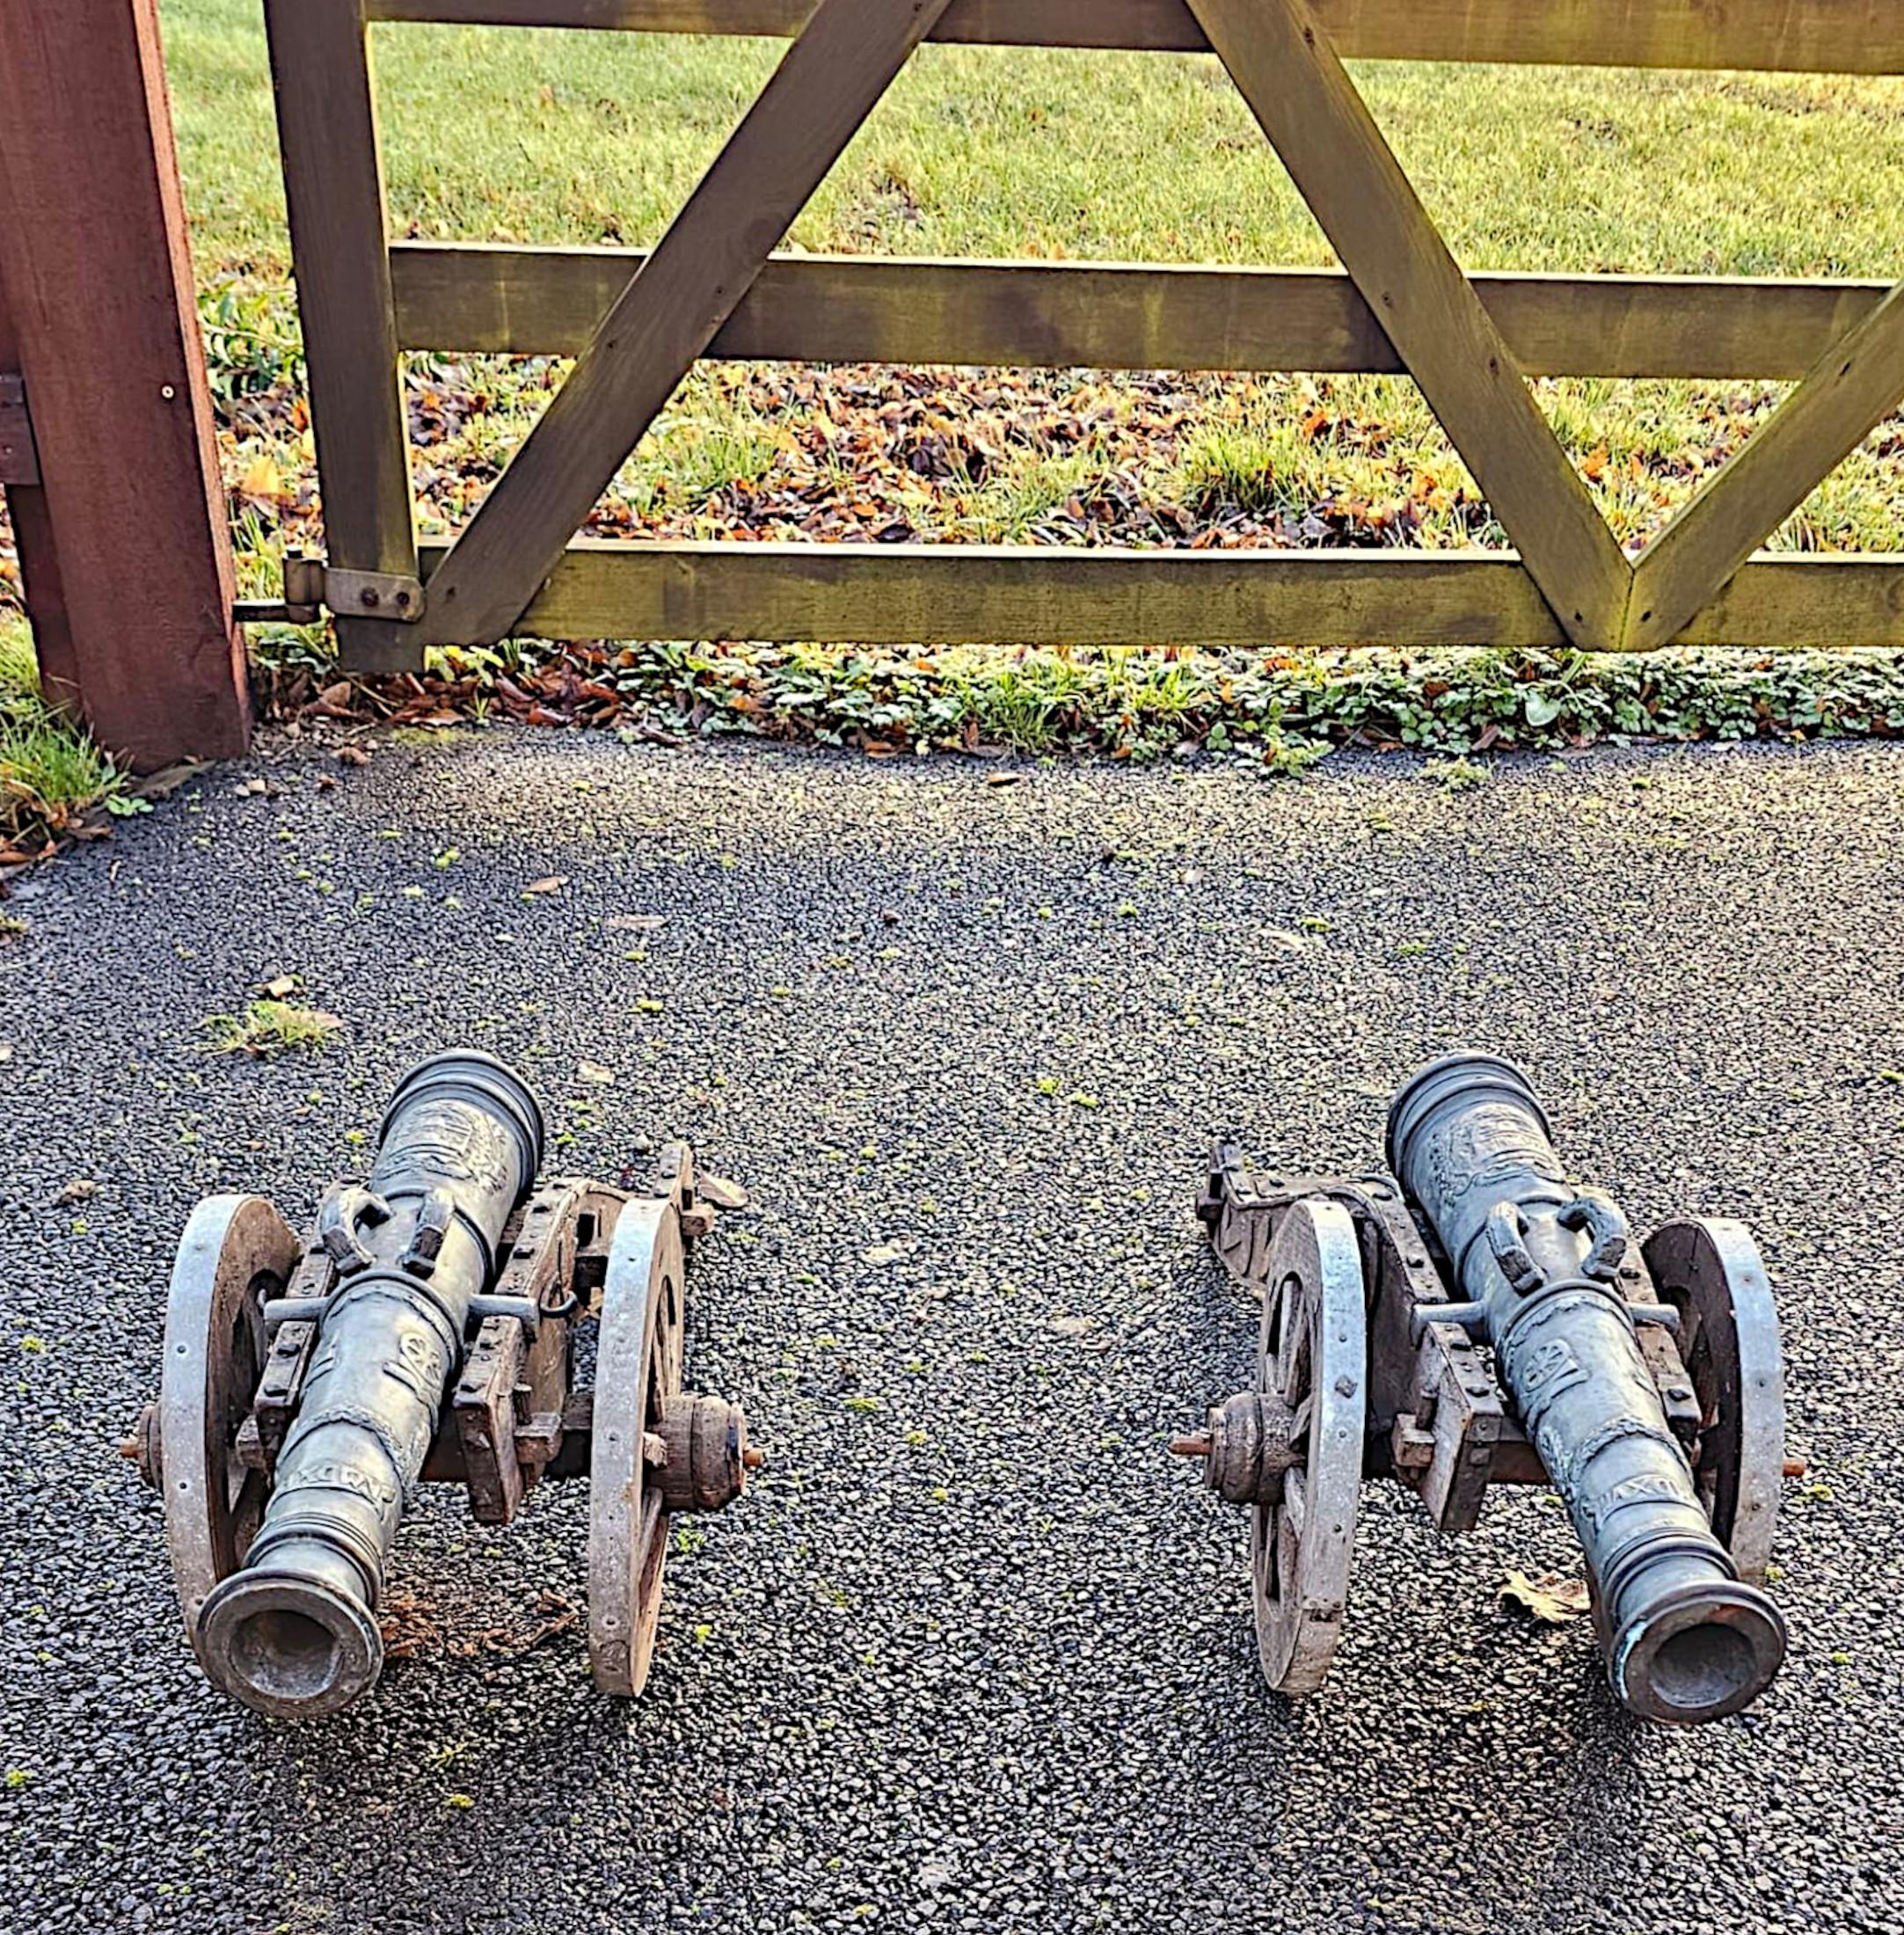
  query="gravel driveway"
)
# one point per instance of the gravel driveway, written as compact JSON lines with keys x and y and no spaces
{"x":975,"y":1653}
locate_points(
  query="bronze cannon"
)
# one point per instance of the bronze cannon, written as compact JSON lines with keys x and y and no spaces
{"x":1471,"y":1318}
{"x":424,"y":1330}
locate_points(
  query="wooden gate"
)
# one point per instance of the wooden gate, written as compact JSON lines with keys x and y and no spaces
{"x":713,"y":288}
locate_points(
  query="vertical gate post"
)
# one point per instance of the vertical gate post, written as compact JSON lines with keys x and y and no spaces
{"x":126,"y":548}
{"x":333,"y":192}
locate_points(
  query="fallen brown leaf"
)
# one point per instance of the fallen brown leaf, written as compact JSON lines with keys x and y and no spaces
{"x":550,"y":883}
{"x":1551,"y":1599}
{"x":263,"y":478}
{"x":721,"y":1191}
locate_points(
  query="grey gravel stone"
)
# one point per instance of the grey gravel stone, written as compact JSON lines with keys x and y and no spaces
{"x":975,"y":1653}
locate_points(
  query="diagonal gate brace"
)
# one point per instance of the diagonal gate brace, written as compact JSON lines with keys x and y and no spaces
{"x":1288,"y":70}
{"x":1850,"y":389}
{"x":831,"y":78}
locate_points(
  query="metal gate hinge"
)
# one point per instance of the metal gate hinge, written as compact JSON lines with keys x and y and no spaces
{"x":311,"y":587}
{"x":19,"y":456}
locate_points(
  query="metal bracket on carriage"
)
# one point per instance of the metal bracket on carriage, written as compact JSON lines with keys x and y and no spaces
{"x":1240,"y":1208}
{"x":674,"y":1178}
{"x":1457,"y":1439}
{"x":1452,"y":1437}
{"x":510,"y":1415}
{"x":514,"y":1418}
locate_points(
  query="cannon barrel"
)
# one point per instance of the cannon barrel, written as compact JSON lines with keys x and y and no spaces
{"x":294,"y":1632}
{"x":1684,"y":1639}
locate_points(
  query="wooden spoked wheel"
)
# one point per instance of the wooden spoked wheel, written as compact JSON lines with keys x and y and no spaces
{"x":638,"y":1371}
{"x":1313,"y":1359}
{"x":1710,"y":1271}
{"x":236,"y":1252}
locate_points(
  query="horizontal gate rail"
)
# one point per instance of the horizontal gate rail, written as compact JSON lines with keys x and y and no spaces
{"x":497,"y":298}
{"x":1822,"y":36}
{"x":1047,"y":595}
{"x":715,"y":289}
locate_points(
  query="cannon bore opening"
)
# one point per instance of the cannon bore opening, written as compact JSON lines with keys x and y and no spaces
{"x":1704,"y":1659}
{"x":1704,"y":1667}
{"x":286,"y":1654}
{"x":297,"y":1649}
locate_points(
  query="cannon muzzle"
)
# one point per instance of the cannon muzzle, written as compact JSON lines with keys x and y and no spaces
{"x":1540,"y":1261}
{"x":294,"y":1630}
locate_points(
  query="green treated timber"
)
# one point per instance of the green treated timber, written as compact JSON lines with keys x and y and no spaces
{"x":1821,"y":36}
{"x":1854,"y":386}
{"x":333,"y":184}
{"x":1301,"y":94}
{"x":502,"y":299}
{"x":1033,"y":595}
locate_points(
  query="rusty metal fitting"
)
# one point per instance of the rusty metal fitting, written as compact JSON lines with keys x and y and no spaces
{"x":1246,"y":1448}
{"x":142,"y":1447}
{"x":705,"y":1456}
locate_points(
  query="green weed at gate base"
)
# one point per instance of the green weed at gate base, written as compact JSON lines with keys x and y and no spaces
{"x":1279,"y":711}
{"x":50,"y":771}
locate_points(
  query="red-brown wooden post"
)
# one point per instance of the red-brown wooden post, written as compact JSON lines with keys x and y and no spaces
{"x":125,"y":547}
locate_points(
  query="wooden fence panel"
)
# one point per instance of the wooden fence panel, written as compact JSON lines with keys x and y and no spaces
{"x":830,"y":80}
{"x":1852,"y":389}
{"x":636,"y":321}
{"x":1338,"y":158}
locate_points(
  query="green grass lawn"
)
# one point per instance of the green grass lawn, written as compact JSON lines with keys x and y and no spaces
{"x":547,"y":136}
